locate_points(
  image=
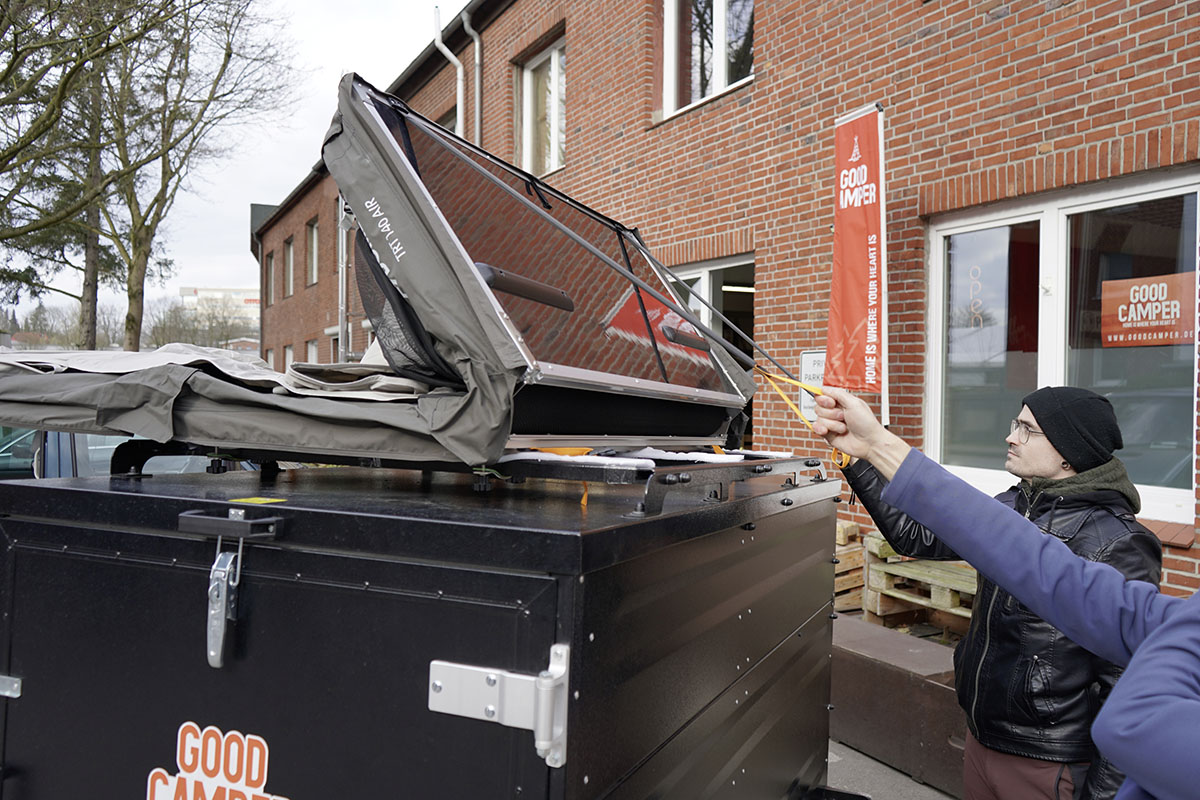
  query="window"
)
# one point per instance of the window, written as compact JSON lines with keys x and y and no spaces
{"x":1094,"y":289}
{"x":728,"y":284}
{"x":311,"y":355}
{"x":269,"y":357}
{"x":312,"y":251}
{"x":708,"y":47}
{"x":269,"y":280}
{"x":449,"y":119}
{"x":543,"y":112}
{"x":333,"y":350}
{"x":289,"y":357}
{"x":288,"y":267}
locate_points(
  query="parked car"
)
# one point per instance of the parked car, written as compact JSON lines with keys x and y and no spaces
{"x":28,"y":453}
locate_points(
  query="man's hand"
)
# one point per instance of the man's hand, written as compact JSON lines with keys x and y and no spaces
{"x":848,"y":424}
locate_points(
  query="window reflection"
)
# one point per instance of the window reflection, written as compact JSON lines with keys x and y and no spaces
{"x":991,"y":339}
{"x":1131,"y":327}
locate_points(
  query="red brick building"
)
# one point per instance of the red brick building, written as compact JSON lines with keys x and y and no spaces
{"x":1035,"y":153}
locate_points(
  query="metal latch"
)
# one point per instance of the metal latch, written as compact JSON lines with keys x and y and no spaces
{"x":222,"y":601}
{"x":10,"y":686}
{"x":531,"y":702}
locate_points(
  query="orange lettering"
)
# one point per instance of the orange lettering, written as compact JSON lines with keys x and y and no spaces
{"x":181,"y":788}
{"x":156,"y":775}
{"x":210,"y":751}
{"x":256,"y":762}
{"x":236,"y":794}
{"x":187,"y":757}
{"x":234,"y":764}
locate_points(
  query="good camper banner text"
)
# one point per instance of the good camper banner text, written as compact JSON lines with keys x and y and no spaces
{"x":855,"y":350}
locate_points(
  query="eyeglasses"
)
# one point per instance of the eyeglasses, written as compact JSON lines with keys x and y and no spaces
{"x":1026,"y":431}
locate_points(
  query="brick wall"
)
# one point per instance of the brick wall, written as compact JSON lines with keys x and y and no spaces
{"x":312,"y":308}
{"x":984,"y":101}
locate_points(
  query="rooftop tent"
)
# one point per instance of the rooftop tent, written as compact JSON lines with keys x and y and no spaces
{"x":510,"y":316}
{"x":544,"y":321}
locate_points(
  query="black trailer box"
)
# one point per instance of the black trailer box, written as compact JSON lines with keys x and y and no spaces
{"x":346,"y":632}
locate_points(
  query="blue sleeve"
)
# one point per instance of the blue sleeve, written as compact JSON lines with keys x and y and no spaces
{"x":1091,"y":603}
{"x":1147,"y":727}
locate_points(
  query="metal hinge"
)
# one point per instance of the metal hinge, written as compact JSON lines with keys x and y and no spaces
{"x":531,"y":702}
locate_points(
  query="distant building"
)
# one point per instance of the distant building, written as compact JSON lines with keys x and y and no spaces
{"x":242,"y":344}
{"x":244,"y":303}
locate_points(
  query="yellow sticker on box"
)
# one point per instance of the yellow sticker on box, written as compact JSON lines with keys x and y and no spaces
{"x":258,"y":500}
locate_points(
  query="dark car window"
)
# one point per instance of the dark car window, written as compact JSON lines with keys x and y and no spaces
{"x":16,"y":452}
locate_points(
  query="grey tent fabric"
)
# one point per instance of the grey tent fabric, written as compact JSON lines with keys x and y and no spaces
{"x":186,"y":403}
{"x":474,"y":423}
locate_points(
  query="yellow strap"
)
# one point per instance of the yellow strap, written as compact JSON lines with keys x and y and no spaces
{"x":839,"y":459}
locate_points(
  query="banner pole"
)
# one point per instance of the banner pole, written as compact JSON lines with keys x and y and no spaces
{"x":885,"y":372}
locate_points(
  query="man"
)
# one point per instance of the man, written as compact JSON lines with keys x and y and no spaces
{"x":1030,"y":693}
{"x":1147,"y":728}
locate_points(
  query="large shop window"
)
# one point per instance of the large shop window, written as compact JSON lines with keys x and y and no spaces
{"x":708,"y":47}
{"x":544,"y":110}
{"x":1089,"y":289}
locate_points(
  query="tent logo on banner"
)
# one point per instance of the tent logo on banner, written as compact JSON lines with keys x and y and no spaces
{"x":857,"y":154}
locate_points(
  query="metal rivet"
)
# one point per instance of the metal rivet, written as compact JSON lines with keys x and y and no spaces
{"x":585,"y":780}
{"x":437,"y":687}
{"x":591,"y":637}
{"x":491,"y":680}
{"x":489,"y":712}
{"x":576,"y":694}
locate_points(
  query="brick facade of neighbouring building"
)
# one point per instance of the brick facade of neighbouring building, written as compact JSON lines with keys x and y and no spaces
{"x":996,"y":113}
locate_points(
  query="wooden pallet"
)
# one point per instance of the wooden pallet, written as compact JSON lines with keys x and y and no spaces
{"x":895,"y":585}
{"x":849,"y":575}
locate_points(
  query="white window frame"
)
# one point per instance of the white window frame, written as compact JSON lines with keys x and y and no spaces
{"x":706,"y":271}
{"x":311,"y":233}
{"x":720,"y":58}
{"x":556,"y":107}
{"x":269,"y":357}
{"x":289,"y":356}
{"x":269,"y":269}
{"x":312,"y":351}
{"x":289,"y":266}
{"x":1051,"y":211}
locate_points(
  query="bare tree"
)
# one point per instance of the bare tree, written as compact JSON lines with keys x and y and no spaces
{"x":46,"y":50}
{"x":141,"y":118}
{"x":209,"y":68}
{"x":167,"y":320}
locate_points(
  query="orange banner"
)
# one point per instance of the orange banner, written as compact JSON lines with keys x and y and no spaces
{"x":1138,"y":312}
{"x":855,"y":345}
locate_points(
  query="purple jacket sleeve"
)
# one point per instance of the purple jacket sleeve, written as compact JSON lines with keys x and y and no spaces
{"x":1148,"y":725}
{"x":1091,"y":603}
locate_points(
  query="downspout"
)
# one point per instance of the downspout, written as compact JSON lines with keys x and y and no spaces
{"x":460,"y":81}
{"x":465,"y":16}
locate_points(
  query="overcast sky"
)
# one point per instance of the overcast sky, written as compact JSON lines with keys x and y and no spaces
{"x":208,"y":232}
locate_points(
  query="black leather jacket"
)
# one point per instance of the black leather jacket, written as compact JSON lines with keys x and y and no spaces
{"x":1026,"y":688}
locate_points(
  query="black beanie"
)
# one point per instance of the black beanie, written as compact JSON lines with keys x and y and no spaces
{"x":1080,"y":424}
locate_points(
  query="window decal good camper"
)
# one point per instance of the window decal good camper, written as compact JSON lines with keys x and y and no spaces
{"x":213,"y":765}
